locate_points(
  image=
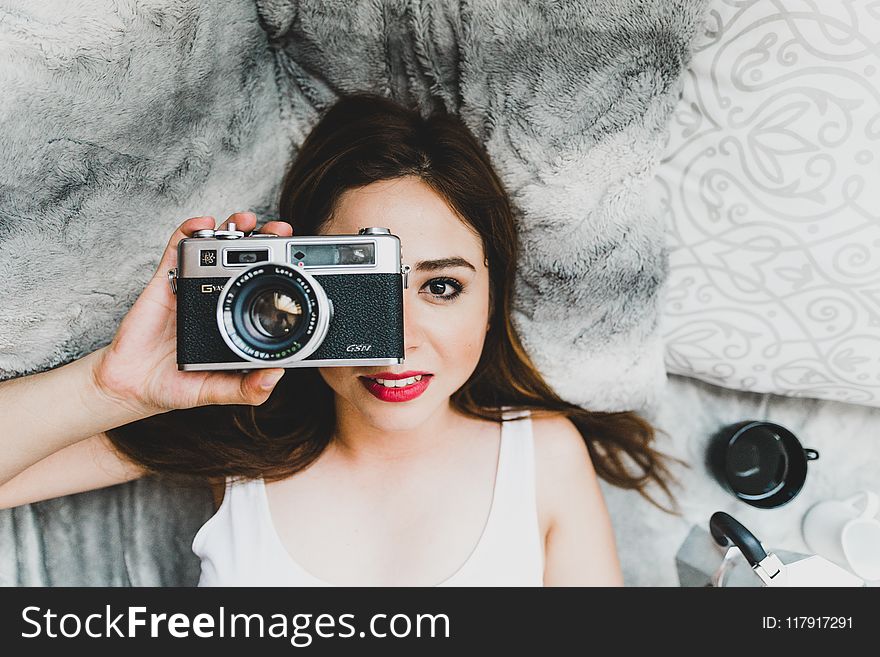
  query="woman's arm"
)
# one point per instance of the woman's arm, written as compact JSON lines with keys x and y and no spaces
{"x":45,"y":417}
{"x":580,"y":549}
{"x":86,"y":465}
{"x":50,"y":411}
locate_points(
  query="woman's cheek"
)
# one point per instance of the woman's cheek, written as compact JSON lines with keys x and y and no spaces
{"x":465,"y":344}
{"x":333,"y":376}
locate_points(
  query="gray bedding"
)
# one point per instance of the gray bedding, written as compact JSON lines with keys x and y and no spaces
{"x":134,"y":534}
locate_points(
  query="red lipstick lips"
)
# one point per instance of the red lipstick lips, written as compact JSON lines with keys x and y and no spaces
{"x":395,"y":394}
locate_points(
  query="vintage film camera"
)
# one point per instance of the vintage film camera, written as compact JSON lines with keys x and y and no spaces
{"x":266,"y":301}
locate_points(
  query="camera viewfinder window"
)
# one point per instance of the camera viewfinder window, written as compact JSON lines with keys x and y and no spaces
{"x":334,"y":255}
{"x":241,"y":257}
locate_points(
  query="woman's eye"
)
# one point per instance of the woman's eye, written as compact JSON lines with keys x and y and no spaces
{"x":444,"y":288}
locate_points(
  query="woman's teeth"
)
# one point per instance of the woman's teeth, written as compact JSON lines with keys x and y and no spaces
{"x":398,"y":383}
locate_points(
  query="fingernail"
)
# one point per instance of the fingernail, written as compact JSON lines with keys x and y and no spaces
{"x":269,"y":380}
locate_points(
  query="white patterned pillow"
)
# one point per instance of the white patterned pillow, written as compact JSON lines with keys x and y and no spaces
{"x":771,"y":187}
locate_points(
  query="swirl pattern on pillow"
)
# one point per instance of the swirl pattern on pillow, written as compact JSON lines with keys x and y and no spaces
{"x":771,"y":192}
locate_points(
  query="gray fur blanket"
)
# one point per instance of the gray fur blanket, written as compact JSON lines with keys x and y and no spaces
{"x":119,"y":119}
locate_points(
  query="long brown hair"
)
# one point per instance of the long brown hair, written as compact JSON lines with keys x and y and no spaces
{"x":360,"y":140}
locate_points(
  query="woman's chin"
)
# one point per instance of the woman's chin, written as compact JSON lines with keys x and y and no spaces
{"x":391,"y":416}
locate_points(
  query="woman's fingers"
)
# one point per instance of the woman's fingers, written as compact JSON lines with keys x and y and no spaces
{"x":247,"y":221}
{"x":244,"y":221}
{"x":280,"y":228}
{"x":252,"y":388}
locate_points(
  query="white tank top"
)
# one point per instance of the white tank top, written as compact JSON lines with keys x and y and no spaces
{"x":239,"y":546}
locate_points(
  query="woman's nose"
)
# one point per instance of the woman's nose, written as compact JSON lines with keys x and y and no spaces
{"x":413,"y":326}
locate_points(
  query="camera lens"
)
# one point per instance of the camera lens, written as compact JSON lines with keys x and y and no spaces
{"x":273,"y":313}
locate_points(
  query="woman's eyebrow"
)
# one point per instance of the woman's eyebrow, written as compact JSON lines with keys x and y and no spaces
{"x":443,"y":263}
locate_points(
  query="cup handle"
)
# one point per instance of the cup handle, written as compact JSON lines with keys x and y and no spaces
{"x":872,"y":504}
{"x":811,"y":454}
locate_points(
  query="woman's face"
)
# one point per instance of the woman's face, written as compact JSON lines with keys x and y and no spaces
{"x":445,"y":307}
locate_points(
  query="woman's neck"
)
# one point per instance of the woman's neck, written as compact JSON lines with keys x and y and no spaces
{"x":364,"y":439}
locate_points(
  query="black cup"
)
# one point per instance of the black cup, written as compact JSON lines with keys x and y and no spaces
{"x":761,"y":463}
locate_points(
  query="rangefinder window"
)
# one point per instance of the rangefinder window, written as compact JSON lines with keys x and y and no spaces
{"x":334,"y":255}
{"x":243,"y":257}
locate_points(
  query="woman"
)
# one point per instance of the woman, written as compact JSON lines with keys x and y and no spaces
{"x":471,"y":472}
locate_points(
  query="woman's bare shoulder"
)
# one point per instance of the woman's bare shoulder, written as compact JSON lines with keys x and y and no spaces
{"x":579,"y":545}
{"x":562,"y":463}
{"x":556,"y":437}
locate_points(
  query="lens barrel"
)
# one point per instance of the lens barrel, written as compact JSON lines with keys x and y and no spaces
{"x":273,"y":313}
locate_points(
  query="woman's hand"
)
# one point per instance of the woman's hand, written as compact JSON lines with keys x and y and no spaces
{"x":138,"y":369}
